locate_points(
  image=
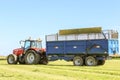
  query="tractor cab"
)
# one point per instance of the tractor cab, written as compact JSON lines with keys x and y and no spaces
{"x":34,"y":44}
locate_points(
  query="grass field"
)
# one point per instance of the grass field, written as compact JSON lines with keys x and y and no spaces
{"x":60,"y":70}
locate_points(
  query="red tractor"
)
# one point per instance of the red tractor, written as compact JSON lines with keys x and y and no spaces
{"x":31,"y":53}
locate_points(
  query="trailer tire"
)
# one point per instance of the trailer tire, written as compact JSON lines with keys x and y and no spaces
{"x":32,"y":57}
{"x":101,"y":62}
{"x":12,"y":59}
{"x":78,"y":61}
{"x":90,"y":61}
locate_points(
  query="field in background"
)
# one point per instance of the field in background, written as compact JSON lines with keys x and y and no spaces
{"x":3,"y":58}
{"x":60,"y":70}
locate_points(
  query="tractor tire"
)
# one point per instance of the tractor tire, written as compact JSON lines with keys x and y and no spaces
{"x":78,"y":61}
{"x":31,"y":57}
{"x":90,"y":61}
{"x":21,"y":59}
{"x":101,"y":62}
{"x":12,"y":59}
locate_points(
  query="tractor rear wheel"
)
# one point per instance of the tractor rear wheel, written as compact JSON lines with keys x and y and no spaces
{"x":12,"y":59}
{"x":31,"y":57}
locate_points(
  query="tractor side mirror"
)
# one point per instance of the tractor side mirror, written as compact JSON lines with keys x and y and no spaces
{"x":22,"y":43}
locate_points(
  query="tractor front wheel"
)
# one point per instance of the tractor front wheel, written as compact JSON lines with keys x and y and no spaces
{"x":12,"y":59}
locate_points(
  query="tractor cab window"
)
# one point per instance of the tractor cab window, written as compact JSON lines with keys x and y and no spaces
{"x":39,"y":45}
{"x":27,"y":44}
{"x":36,"y":44}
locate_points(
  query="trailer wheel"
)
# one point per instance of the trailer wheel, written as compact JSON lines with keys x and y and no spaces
{"x":101,"y":62}
{"x":31,"y":57}
{"x":78,"y":61}
{"x":90,"y":61}
{"x":12,"y":59}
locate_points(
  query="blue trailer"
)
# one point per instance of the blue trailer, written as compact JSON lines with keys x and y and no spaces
{"x":83,"y":49}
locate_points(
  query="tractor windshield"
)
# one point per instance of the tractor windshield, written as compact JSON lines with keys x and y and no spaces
{"x":27,"y":44}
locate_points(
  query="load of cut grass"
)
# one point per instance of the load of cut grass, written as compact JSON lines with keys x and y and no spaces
{"x":80,"y":31}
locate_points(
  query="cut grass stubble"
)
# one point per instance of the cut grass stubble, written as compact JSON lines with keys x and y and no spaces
{"x":60,"y":70}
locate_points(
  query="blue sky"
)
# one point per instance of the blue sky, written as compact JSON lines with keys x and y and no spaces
{"x":20,"y":19}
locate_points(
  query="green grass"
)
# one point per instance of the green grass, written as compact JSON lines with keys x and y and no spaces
{"x":60,"y":70}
